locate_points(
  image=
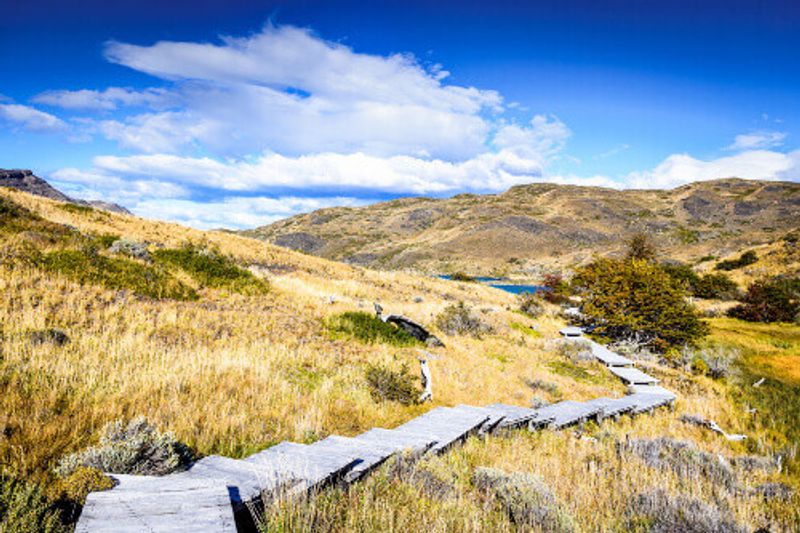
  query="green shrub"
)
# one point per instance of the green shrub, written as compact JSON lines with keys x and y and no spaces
{"x":530,"y":303}
{"x":524,"y":497}
{"x":775,"y":299}
{"x":461,"y":276}
{"x":368,"y":328}
{"x":642,"y":247}
{"x":747,"y":258}
{"x":683,"y":274}
{"x":211,"y":269}
{"x":660,"y":511}
{"x":79,"y":209}
{"x":556,"y":289}
{"x":106,"y":239}
{"x":24,"y":509}
{"x":637,"y":300}
{"x":458,"y":319}
{"x":81,"y":482}
{"x":718,"y":286}
{"x":388,"y":385}
{"x":116,"y":273}
{"x":133,"y":448}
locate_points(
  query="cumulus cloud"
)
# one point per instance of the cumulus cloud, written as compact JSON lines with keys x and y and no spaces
{"x":679,"y":169}
{"x":108,"y":99}
{"x":289,"y":91}
{"x":757,"y":140}
{"x":31,"y":119}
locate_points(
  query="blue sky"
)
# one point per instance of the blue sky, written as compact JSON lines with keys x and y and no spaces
{"x":238,"y":113}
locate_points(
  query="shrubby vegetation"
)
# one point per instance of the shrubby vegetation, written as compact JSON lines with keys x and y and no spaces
{"x":461,"y":276}
{"x":636,"y":299}
{"x":556,"y":288}
{"x":775,"y":299}
{"x":659,"y":511}
{"x":747,"y":258}
{"x":368,"y":328}
{"x":24,"y":509}
{"x":641,"y":247}
{"x":530,"y":304}
{"x":87,"y":265}
{"x":133,"y":448}
{"x":708,"y":286}
{"x":388,"y":385}
{"x":458,"y":319}
{"x":524,"y":497}
{"x":211,"y":269}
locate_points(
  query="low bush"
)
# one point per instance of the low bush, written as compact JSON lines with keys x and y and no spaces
{"x":658,"y":511}
{"x":542,"y":385}
{"x":24,"y":509}
{"x":77,"y":209}
{"x":684,"y":459}
{"x":556,"y":289}
{"x":530,"y":303}
{"x":133,"y":448}
{"x":389,"y":385}
{"x":747,"y":258}
{"x":717,"y":286}
{"x":458,"y":319}
{"x":524,"y":497}
{"x":48,"y":336}
{"x":137,"y":250}
{"x":461,"y":276}
{"x":770,"y":300}
{"x":368,"y":328}
{"x":116,"y":273}
{"x":421,"y":475}
{"x":577,"y":351}
{"x":212,"y":269}
{"x":81,"y":482}
{"x":634,"y":299}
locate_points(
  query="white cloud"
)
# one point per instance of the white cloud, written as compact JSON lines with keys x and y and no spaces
{"x":237,"y":212}
{"x":757,"y":140}
{"x":31,"y":119}
{"x":109,"y":99}
{"x":545,"y":137}
{"x":679,"y":169}
{"x":288,"y":91}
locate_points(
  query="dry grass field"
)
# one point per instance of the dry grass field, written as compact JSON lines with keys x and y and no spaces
{"x":232,"y":372}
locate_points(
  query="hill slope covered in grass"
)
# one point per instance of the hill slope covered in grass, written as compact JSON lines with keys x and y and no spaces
{"x":543,"y":225}
{"x":233,"y":344}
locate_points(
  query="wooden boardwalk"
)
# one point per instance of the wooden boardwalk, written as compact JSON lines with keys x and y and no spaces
{"x":214,"y":491}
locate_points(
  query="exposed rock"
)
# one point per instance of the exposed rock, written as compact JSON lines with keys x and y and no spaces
{"x":301,"y":241}
{"x":26,"y":181}
{"x":134,"y":249}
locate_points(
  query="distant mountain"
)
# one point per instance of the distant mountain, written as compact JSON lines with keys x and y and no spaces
{"x":27,"y":181}
{"x":533,"y":227}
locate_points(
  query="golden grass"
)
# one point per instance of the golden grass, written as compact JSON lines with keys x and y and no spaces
{"x":232,"y":374}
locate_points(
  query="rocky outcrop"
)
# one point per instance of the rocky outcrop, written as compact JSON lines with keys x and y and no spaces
{"x":27,"y":181}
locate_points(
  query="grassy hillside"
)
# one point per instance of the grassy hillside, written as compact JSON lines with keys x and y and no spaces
{"x":233,"y":344}
{"x":537,"y":226}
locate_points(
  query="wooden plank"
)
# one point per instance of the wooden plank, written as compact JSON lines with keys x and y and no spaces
{"x":445,"y":425}
{"x":633,"y":376}
{"x":606,"y":356}
{"x":568,"y":412}
{"x":369,"y":454}
{"x":403,"y":441}
{"x":514,"y":416}
{"x":163,"y":504}
{"x":494,"y":418}
{"x":614,"y":406}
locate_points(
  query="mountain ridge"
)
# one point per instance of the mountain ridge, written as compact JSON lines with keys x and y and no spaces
{"x":542,"y":225}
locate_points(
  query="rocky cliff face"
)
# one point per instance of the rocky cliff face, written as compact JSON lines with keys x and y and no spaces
{"x":27,"y":181}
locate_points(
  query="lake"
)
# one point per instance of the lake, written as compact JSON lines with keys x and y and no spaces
{"x":513,"y":288}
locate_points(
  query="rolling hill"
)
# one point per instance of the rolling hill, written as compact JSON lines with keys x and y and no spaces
{"x":531,"y":227}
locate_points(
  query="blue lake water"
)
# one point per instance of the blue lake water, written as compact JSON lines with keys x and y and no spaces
{"x":508,"y":287}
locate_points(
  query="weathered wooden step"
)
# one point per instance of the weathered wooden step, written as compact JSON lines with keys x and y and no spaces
{"x":247,"y":480}
{"x":614,"y":406}
{"x":654,"y":390}
{"x":402,"y":441}
{"x":514,"y":416}
{"x":311,"y":468}
{"x":494,"y":418}
{"x":633,"y":376}
{"x":607,"y":357}
{"x":165,"y":504}
{"x":369,"y":454}
{"x":568,"y":412}
{"x":649,"y":402}
{"x":445,"y":425}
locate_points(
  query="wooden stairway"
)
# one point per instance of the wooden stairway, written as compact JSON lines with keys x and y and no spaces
{"x":207,"y":496}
